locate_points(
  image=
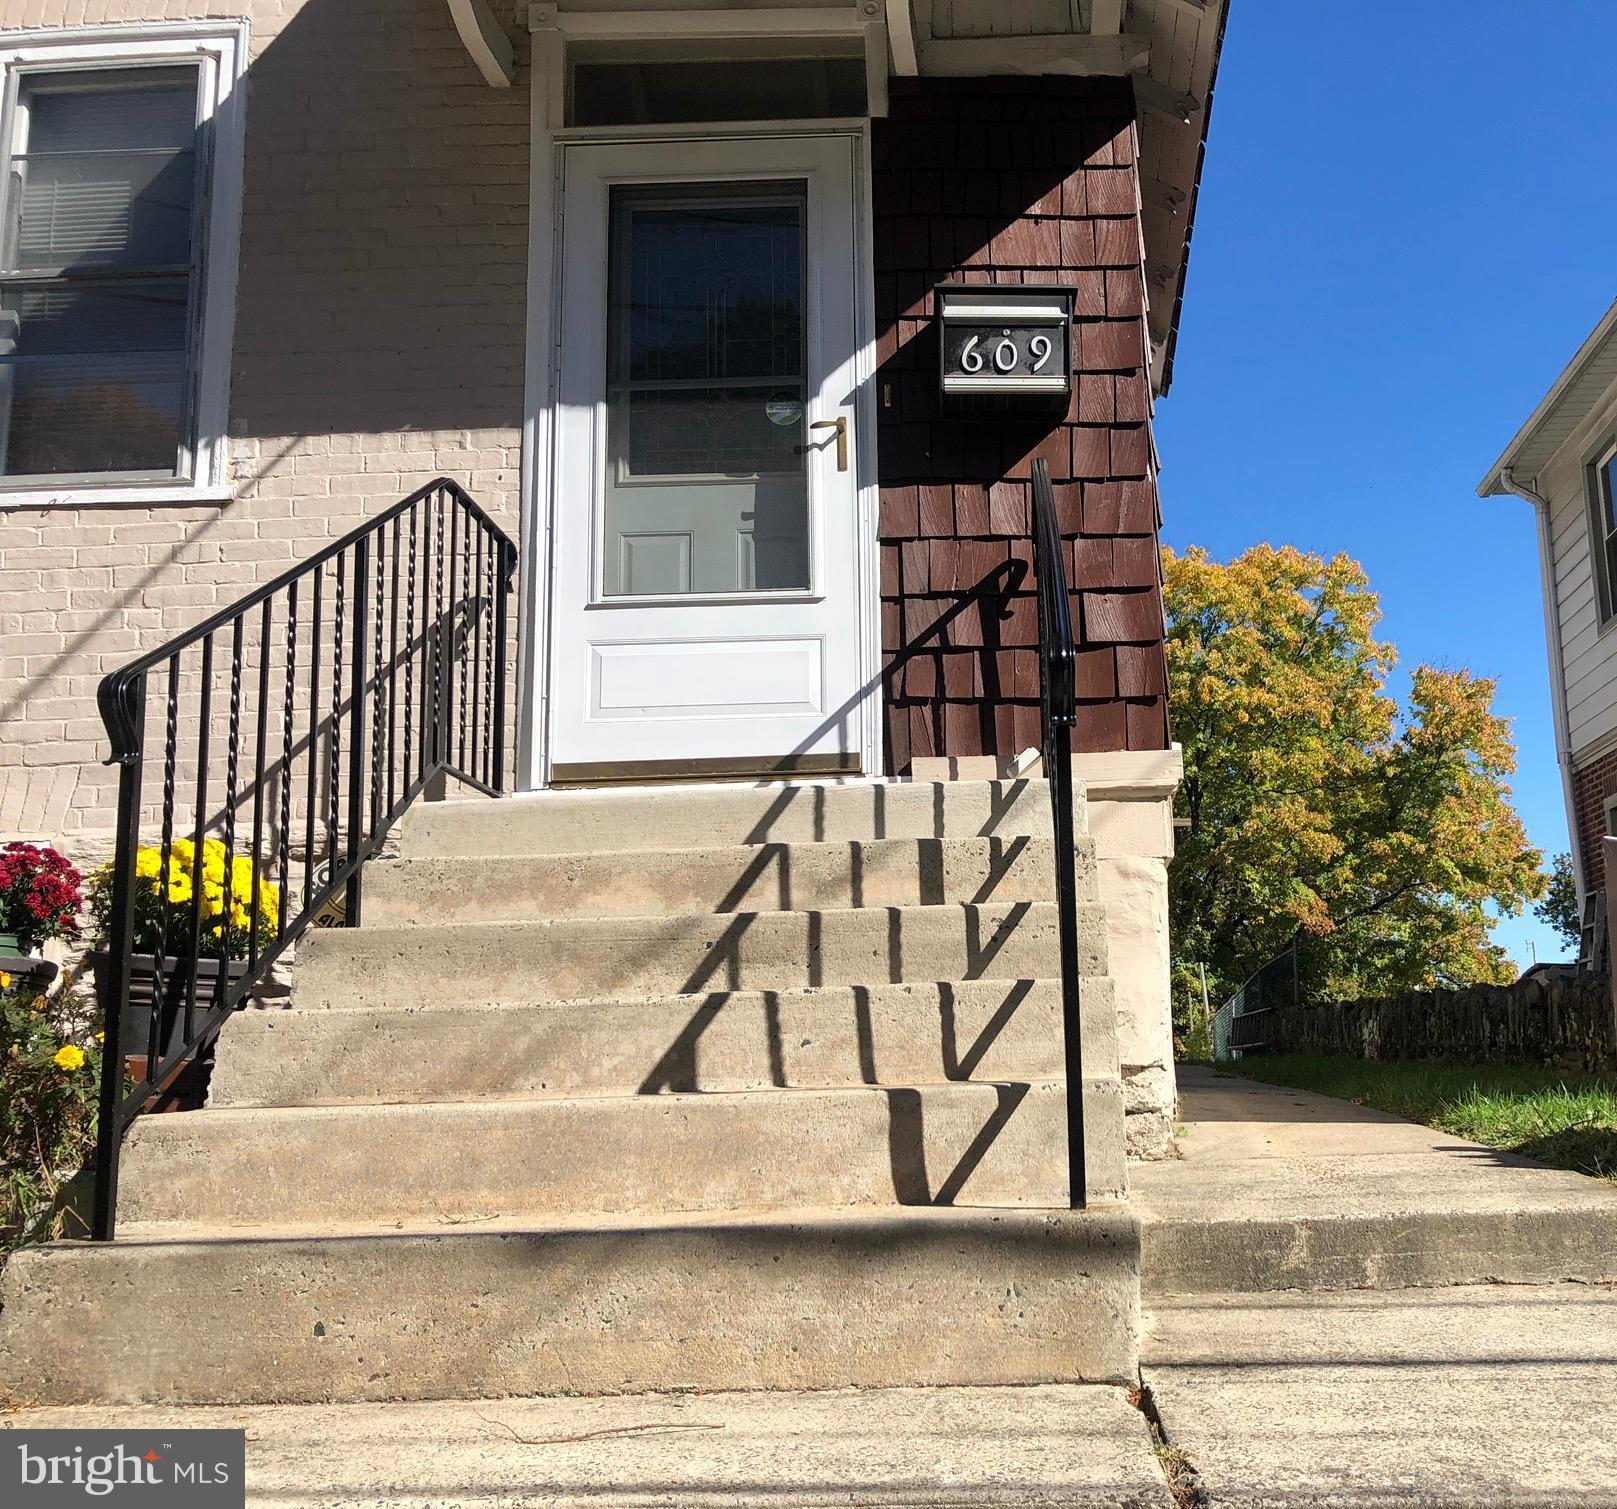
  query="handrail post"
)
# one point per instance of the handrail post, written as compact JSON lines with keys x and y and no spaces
{"x":1060,"y":777}
{"x":502,"y":591}
{"x":120,"y":944}
{"x":356,"y":729}
{"x":1058,"y":710}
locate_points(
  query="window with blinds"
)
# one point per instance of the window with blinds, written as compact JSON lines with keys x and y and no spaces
{"x":98,"y":259}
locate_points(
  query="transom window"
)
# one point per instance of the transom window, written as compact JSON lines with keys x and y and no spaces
{"x":106,"y":382}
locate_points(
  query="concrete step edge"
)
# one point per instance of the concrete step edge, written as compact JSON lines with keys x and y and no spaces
{"x":1414,"y":1249}
{"x":156,"y":1128}
{"x":787,"y":1299}
{"x":978,"y":806}
{"x":1116,"y":1215}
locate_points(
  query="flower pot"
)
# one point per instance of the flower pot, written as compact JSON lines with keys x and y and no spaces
{"x":29,"y":974}
{"x":148,"y":993}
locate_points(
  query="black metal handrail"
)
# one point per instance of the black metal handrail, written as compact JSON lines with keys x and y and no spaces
{"x":414,"y":642}
{"x":1058,"y":716}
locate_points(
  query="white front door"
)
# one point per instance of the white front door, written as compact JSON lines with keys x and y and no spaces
{"x":706,"y":596}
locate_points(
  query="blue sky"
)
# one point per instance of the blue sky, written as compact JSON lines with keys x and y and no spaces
{"x":1405,"y":231}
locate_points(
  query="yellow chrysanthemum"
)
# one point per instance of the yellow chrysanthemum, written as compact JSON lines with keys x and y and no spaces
{"x":5,"y":980}
{"x":68,"y":1058}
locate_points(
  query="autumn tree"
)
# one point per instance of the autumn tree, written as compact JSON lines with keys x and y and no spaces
{"x":1316,"y":807}
{"x":1559,"y":905}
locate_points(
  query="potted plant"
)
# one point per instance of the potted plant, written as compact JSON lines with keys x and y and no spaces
{"x":40,"y":896}
{"x":169,"y":908}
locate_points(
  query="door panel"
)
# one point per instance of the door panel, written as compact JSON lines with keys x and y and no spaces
{"x":706,"y":585}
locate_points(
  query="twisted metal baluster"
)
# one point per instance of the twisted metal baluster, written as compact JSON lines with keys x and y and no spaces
{"x":285,"y":853}
{"x":463,"y":670}
{"x":438,"y":730}
{"x":232,"y":771}
{"x":393,"y":675}
{"x":334,"y":745}
{"x":376,"y":697}
{"x":409,"y":650}
{"x":265,"y":625}
{"x":171,"y":744}
{"x":311,"y":803}
{"x":483,"y":657}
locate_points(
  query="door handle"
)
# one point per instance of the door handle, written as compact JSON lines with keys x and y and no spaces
{"x":840,"y":425}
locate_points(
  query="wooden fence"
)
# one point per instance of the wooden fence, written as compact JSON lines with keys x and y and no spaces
{"x":1556,"y":1016}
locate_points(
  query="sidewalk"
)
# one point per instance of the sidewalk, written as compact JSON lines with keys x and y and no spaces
{"x":1283,"y":1189}
{"x":1320,"y":1327}
{"x":1466,"y":1398}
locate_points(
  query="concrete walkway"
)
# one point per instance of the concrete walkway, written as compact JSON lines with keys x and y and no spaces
{"x":1282,"y":1189}
{"x":1465,"y":1398}
{"x":1078,"y":1447}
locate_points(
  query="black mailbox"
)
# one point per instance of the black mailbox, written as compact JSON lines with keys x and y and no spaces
{"x":1005,"y":350}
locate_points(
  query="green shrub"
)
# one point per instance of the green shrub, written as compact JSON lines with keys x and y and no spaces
{"x":50,"y":1071}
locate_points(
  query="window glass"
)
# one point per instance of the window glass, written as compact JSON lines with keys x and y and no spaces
{"x":707,"y":487}
{"x":96,"y":282}
{"x":634,"y":93}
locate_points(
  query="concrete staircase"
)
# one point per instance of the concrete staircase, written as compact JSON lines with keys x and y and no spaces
{"x":694,"y":1088}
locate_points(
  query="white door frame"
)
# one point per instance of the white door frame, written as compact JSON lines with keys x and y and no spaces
{"x":539,"y":494}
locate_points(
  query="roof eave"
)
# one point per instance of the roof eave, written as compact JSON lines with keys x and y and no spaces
{"x":1496,"y":483}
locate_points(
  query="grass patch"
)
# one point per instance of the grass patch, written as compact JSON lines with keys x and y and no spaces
{"x":1569,"y":1121}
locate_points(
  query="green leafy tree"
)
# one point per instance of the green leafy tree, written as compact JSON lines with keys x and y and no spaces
{"x":1384,"y":838}
{"x":1559,"y":904}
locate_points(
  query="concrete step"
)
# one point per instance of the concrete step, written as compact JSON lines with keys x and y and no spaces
{"x":690,"y":817}
{"x":783,"y":1300}
{"x":741,"y":1040}
{"x":1076,"y":1445}
{"x":590,"y":958}
{"x":968,"y":1144}
{"x":735,"y":878}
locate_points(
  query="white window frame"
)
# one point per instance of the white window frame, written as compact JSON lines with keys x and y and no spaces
{"x":1594,"y":487}
{"x":219,"y":49}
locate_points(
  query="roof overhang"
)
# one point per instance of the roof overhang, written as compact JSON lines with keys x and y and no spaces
{"x":1169,"y":48}
{"x":1588,"y":377}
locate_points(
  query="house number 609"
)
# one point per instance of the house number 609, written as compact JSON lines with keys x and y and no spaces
{"x":1005,"y":355}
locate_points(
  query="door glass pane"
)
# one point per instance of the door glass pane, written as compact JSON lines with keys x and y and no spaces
{"x":707,"y":483}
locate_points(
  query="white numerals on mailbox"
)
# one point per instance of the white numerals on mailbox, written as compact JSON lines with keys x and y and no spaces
{"x":1005,"y":354}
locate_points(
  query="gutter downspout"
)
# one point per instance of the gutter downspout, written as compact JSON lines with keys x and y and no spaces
{"x":1552,"y":643}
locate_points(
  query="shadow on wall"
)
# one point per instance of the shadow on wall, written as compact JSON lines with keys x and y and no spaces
{"x":378,"y":343}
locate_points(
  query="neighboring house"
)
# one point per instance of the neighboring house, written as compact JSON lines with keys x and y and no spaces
{"x":659,"y":287}
{"x":1564,"y":462}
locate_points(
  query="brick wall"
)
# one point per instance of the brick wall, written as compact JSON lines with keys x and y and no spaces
{"x":1013,"y":181}
{"x":379,"y":343}
{"x":1591,"y":786}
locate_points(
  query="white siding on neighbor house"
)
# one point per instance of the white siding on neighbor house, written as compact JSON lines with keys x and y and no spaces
{"x":1589,"y":656}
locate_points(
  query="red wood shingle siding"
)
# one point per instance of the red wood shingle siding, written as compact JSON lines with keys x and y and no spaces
{"x":1013,"y":181}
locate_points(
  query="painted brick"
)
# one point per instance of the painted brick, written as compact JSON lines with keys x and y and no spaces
{"x":381,"y":312}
